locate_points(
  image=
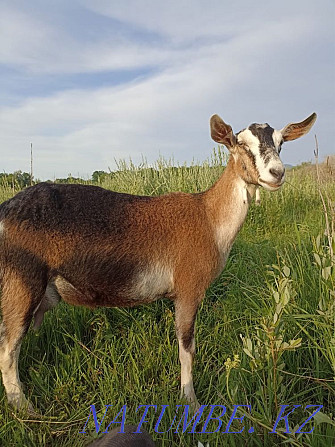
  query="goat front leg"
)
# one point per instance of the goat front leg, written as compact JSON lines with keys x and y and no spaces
{"x":185,"y":321}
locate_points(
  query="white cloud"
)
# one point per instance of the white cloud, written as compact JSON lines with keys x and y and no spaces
{"x":185,"y":20}
{"x":38,"y":46}
{"x":21,"y":37}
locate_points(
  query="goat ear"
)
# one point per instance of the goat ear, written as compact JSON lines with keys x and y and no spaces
{"x":221,"y":132}
{"x":296,"y":130}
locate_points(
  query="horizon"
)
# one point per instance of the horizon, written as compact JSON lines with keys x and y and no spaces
{"x":89,"y":176}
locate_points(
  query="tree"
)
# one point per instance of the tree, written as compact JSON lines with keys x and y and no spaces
{"x":99,"y":176}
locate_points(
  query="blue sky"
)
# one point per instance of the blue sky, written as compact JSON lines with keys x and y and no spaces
{"x":91,"y":81}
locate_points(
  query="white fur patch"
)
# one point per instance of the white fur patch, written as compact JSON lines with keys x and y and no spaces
{"x":232,"y":220}
{"x":277,"y":138}
{"x":2,"y":227}
{"x":247,"y":137}
{"x":153,"y":282}
{"x":186,"y":378}
{"x":9,"y":357}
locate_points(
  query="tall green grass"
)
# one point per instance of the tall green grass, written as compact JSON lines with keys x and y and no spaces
{"x":265,"y":333}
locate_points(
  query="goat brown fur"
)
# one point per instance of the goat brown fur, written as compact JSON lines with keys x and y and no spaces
{"x":93,"y":247}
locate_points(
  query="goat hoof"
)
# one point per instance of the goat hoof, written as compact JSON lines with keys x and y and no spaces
{"x":195,"y":405}
{"x":21,"y":405}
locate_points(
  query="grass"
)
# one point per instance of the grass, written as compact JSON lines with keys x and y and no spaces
{"x":272,"y":308}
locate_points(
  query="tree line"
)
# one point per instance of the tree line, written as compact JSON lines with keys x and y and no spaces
{"x":19,"y":179}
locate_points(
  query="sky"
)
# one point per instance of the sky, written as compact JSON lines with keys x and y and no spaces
{"x":89,"y":82}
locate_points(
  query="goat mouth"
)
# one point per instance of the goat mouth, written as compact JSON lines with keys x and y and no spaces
{"x":268,"y":185}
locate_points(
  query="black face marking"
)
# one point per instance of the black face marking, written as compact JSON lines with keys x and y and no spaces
{"x":252,"y":157}
{"x":264,"y":134}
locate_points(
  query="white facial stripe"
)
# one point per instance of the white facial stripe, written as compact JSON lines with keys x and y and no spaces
{"x":277,"y":138}
{"x":2,"y":227}
{"x":247,"y":137}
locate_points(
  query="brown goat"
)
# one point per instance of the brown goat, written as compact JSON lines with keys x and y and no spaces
{"x":94,"y":247}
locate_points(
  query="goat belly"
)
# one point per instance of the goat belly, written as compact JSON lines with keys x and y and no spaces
{"x":112,"y":283}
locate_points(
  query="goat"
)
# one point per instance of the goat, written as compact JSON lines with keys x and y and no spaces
{"x":94,"y":247}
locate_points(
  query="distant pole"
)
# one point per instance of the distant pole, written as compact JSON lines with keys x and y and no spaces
{"x":31,"y":164}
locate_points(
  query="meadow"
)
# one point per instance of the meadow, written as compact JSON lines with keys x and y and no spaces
{"x":265,"y":332}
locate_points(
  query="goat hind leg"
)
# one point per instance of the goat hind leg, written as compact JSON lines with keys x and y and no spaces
{"x":9,"y":356}
{"x":17,"y":302}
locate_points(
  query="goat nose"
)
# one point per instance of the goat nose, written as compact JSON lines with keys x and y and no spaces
{"x":277,"y":173}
